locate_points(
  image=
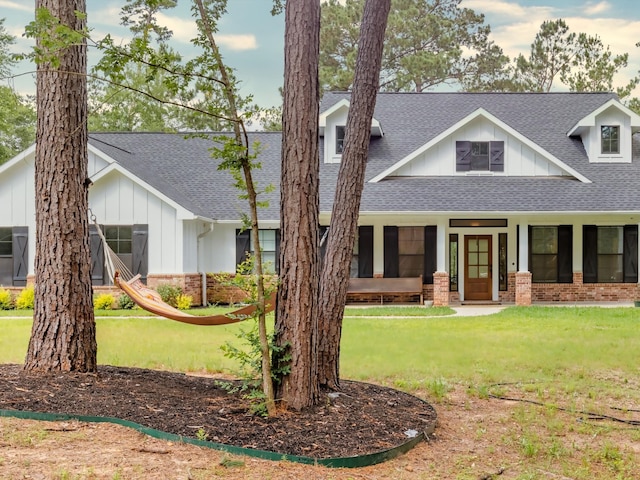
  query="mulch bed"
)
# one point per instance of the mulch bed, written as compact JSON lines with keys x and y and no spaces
{"x":361,"y":419}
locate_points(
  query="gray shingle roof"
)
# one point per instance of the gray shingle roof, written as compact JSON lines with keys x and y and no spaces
{"x":182,"y":168}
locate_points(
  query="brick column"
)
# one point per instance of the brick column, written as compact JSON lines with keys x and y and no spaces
{"x":440,"y":289}
{"x":523,"y":288}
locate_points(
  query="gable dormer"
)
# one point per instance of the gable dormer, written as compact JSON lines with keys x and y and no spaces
{"x":332,"y":125}
{"x":607,"y":133}
{"x":480,"y":144}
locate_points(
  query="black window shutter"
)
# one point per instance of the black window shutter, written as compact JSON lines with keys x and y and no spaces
{"x":20,"y":253}
{"x":430,"y":253}
{"x":365,"y":251}
{"x":463,"y":156}
{"x":243,"y":245}
{"x":97,"y":256}
{"x":565,"y":254}
{"x":391,"y":252}
{"x":630,"y":254}
{"x":530,"y":241}
{"x":518,"y":248}
{"x":590,"y":254}
{"x":496,"y":158}
{"x":139,"y":250}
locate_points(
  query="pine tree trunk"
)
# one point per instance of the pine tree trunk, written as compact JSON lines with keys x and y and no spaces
{"x":63,"y":335}
{"x":346,"y":204}
{"x":297,"y":305}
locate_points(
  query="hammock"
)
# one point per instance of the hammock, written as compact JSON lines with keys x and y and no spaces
{"x":150,"y":300}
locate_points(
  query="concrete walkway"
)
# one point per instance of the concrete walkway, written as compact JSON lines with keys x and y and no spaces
{"x":476,"y":310}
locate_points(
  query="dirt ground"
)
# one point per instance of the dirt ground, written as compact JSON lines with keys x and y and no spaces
{"x":475,"y":438}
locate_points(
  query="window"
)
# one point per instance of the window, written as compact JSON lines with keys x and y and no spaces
{"x":550,"y":254}
{"x":502,"y":262}
{"x":14,"y":256}
{"x":410,"y":252}
{"x":119,"y":239}
{"x":6,"y":257}
{"x":610,"y":254}
{"x":269,"y":244}
{"x":453,"y":262}
{"x":6,"y":242}
{"x":610,"y":139}
{"x":340,"y":130}
{"x":480,"y":156}
{"x":128,"y":242}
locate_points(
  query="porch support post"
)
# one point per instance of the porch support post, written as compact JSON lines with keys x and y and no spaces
{"x":441,"y":250}
{"x":441,"y":276}
{"x":523,"y":276}
{"x":378,"y":250}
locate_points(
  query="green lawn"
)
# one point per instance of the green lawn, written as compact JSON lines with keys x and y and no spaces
{"x":561,"y":360}
{"x":517,"y":344}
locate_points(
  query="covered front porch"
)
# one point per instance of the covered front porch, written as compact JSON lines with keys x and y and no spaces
{"x":508,"y":259}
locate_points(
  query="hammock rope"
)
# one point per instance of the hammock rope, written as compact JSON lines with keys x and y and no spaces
{"x":151,"y":301}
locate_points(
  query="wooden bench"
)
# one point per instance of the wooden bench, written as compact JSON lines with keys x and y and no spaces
{"x":386,"y":286}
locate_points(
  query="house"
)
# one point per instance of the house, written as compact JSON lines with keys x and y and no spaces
{"x":491,"y":197}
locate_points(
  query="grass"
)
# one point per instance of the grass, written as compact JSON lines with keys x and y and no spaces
{"x":351,"y":311}
{"x":568,"y":359}
{"x":519,"y":344}
{"x":135,"y":312}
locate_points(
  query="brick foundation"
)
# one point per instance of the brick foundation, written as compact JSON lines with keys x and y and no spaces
{"x":509,"y":296}
{"x":191,"y":284}
{"x":454,"y":298}
{"x":440,"y":289}
{"x":523,"y":288}
{"x":584,"y":292}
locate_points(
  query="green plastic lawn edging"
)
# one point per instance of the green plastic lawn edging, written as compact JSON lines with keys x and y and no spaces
{"x":338,"y":462}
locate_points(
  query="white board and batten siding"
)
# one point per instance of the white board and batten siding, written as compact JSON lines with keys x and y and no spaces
{"x":220,"y":248}
{"x":17,"y":195}
{"x":118,"y":200}
{"x":519,"y":158}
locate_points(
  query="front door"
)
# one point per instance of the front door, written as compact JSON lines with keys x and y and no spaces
{"x":477,"y":267}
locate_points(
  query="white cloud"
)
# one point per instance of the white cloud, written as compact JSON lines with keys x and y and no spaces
{"x":109,"y":15}
{"x":16,"y":6}
{"x":184,"y":31}
{"x":238,"y":42}
{"x":597,"y":8}
{"x":508,"y":11}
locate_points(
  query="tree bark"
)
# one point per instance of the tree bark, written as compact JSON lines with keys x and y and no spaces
{"x":297,"y":305}
{"x":63,"y":334}
{"x":346,"y":204}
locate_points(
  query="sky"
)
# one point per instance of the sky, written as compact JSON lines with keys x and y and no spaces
{"x":251,"y":40}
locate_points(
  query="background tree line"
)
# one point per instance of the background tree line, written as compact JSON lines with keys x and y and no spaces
{"x":429,"y":44}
